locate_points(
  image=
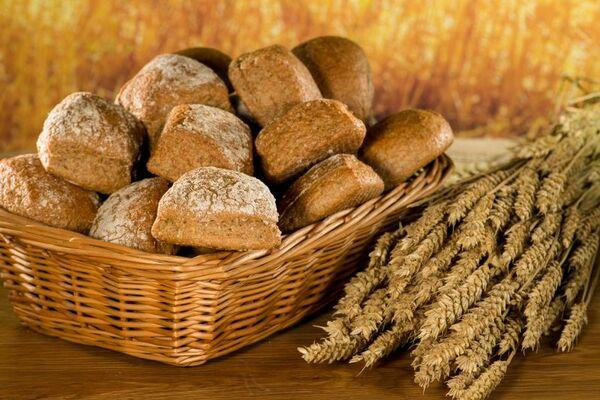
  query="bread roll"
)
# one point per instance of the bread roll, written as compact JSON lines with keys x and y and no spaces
{"x":91,"y":143}
{"x":270,"y":81}
{"x":404,"y":142}
{"x":341,"y":70}
{"x":195,"y":136}
{"x":305,"y":135}
{"x":219,"y":209}
{"x":166,"y":81}
{"x":338,"y":183}
{"x":213,"y":59}
{"x":126,"y":217}
{"x":26,"y":189}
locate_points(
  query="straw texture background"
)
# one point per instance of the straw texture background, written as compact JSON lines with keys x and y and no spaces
{"x":490,"y":67}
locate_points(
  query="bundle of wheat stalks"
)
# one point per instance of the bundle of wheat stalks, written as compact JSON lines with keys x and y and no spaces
{"x":491,"y":266}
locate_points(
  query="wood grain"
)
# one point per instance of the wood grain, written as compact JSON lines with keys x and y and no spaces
{"x":33,"y":366}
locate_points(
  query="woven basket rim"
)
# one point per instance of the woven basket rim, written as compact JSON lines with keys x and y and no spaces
{"x":45,"y":236}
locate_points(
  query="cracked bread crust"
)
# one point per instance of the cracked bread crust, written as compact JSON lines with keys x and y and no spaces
{"x":401,"y":144}
{"x":26,"y":189}
{"x":126,"y":217}
{"x":197,"y":135}
{"x":166,"y":81}
{"x":307,"y":134}
{"x":220,"y":209}
{"x":90,"y":142}
{"x":338,"y":183}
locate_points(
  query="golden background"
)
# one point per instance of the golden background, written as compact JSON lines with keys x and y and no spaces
{"x":491,"y":67}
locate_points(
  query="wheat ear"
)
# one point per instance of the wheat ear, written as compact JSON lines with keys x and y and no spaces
{"x":575,"y":323}
{"x":485,"y":384}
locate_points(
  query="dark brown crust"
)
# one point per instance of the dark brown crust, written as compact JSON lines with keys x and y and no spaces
{"x":91,"y":142}
{"x":341,"y":70}
{"x":217,"y":208}
{"x":183,"y":146}
{"x":270,"y":81}
{"x":166,"y":81}
{"x":338,"y":183}
{"x":26,"y":189}
{"x":308,"y":133}
{"x":404,"y":142}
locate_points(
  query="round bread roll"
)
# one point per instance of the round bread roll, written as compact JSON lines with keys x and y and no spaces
{"x":26,"y":189}
{"x":270,"y":81}
{"x":341,"y":70}
{"x":213,"y":59}
{"x":90,"y":142}
{"x":306,"y":134}
{"x":401,"y":144}
{"x":166,"y":81}
{"x":195,"y":136}
{"x":126,"y":217}
{"x":218,"y":209}
{"x":338,"y":183}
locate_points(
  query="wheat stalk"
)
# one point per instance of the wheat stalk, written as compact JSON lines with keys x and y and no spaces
{"x":502,"y":208}
{"x":569,"y":227}
{"x":552,"y":313}
{"x":453,"y":303}
{"x":477,"y":355}
{"x":490,"y":267}
{"x":550,"y":224}
{"x":526,"y":186}
{"x":465,"y":201}
{"x":481,"y":387}
{"x":544,"y":290}
{"x":511,"y":335}
{"x":516,"y":238}
{"x":577,"y":320}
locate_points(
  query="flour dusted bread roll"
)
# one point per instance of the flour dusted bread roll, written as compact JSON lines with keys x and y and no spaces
{"x":404,"y":142}
{"x":341,"y":70}
{"x":213,"y":58}
{"x":126,"y":217}
{"x":270,"y":81}
{"x":195,"y":136}
{"x":90,"y":142}
{"x":305,"y":135}
{"x":166,"y":81}
{"x":338,"y":183}
{"x":26,"y":189}
{"x":220,"y":209}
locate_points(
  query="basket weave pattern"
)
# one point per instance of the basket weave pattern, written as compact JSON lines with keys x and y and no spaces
{"x":184,"y":311}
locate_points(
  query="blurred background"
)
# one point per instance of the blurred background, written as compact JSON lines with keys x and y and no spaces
{"x":493,"y":68}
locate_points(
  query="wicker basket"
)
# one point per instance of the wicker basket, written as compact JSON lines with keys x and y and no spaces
{"x":184,"y":311}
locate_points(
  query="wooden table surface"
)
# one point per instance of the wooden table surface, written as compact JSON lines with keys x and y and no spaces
{"x":33,"y":366}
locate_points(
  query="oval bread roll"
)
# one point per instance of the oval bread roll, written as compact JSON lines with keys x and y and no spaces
{"x":401,"y":144}
{"x":196,"y":136}
{"x":126,"y":217}
{"x":213,"y":58}
{"x":166,"y":81}
{"x":338,"y":183}
{"x":308,"y":133}
{"x":341,"y":70}
{"x":270,"y":81}
{"x":91,"y":142}
{"x":26,"y":189}
{"x":219,"y":209}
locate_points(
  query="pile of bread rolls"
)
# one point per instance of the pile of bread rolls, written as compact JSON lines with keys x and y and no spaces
{"x":195,"y":145}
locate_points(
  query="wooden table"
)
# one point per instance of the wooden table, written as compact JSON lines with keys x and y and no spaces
{"x":33,"y":366}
